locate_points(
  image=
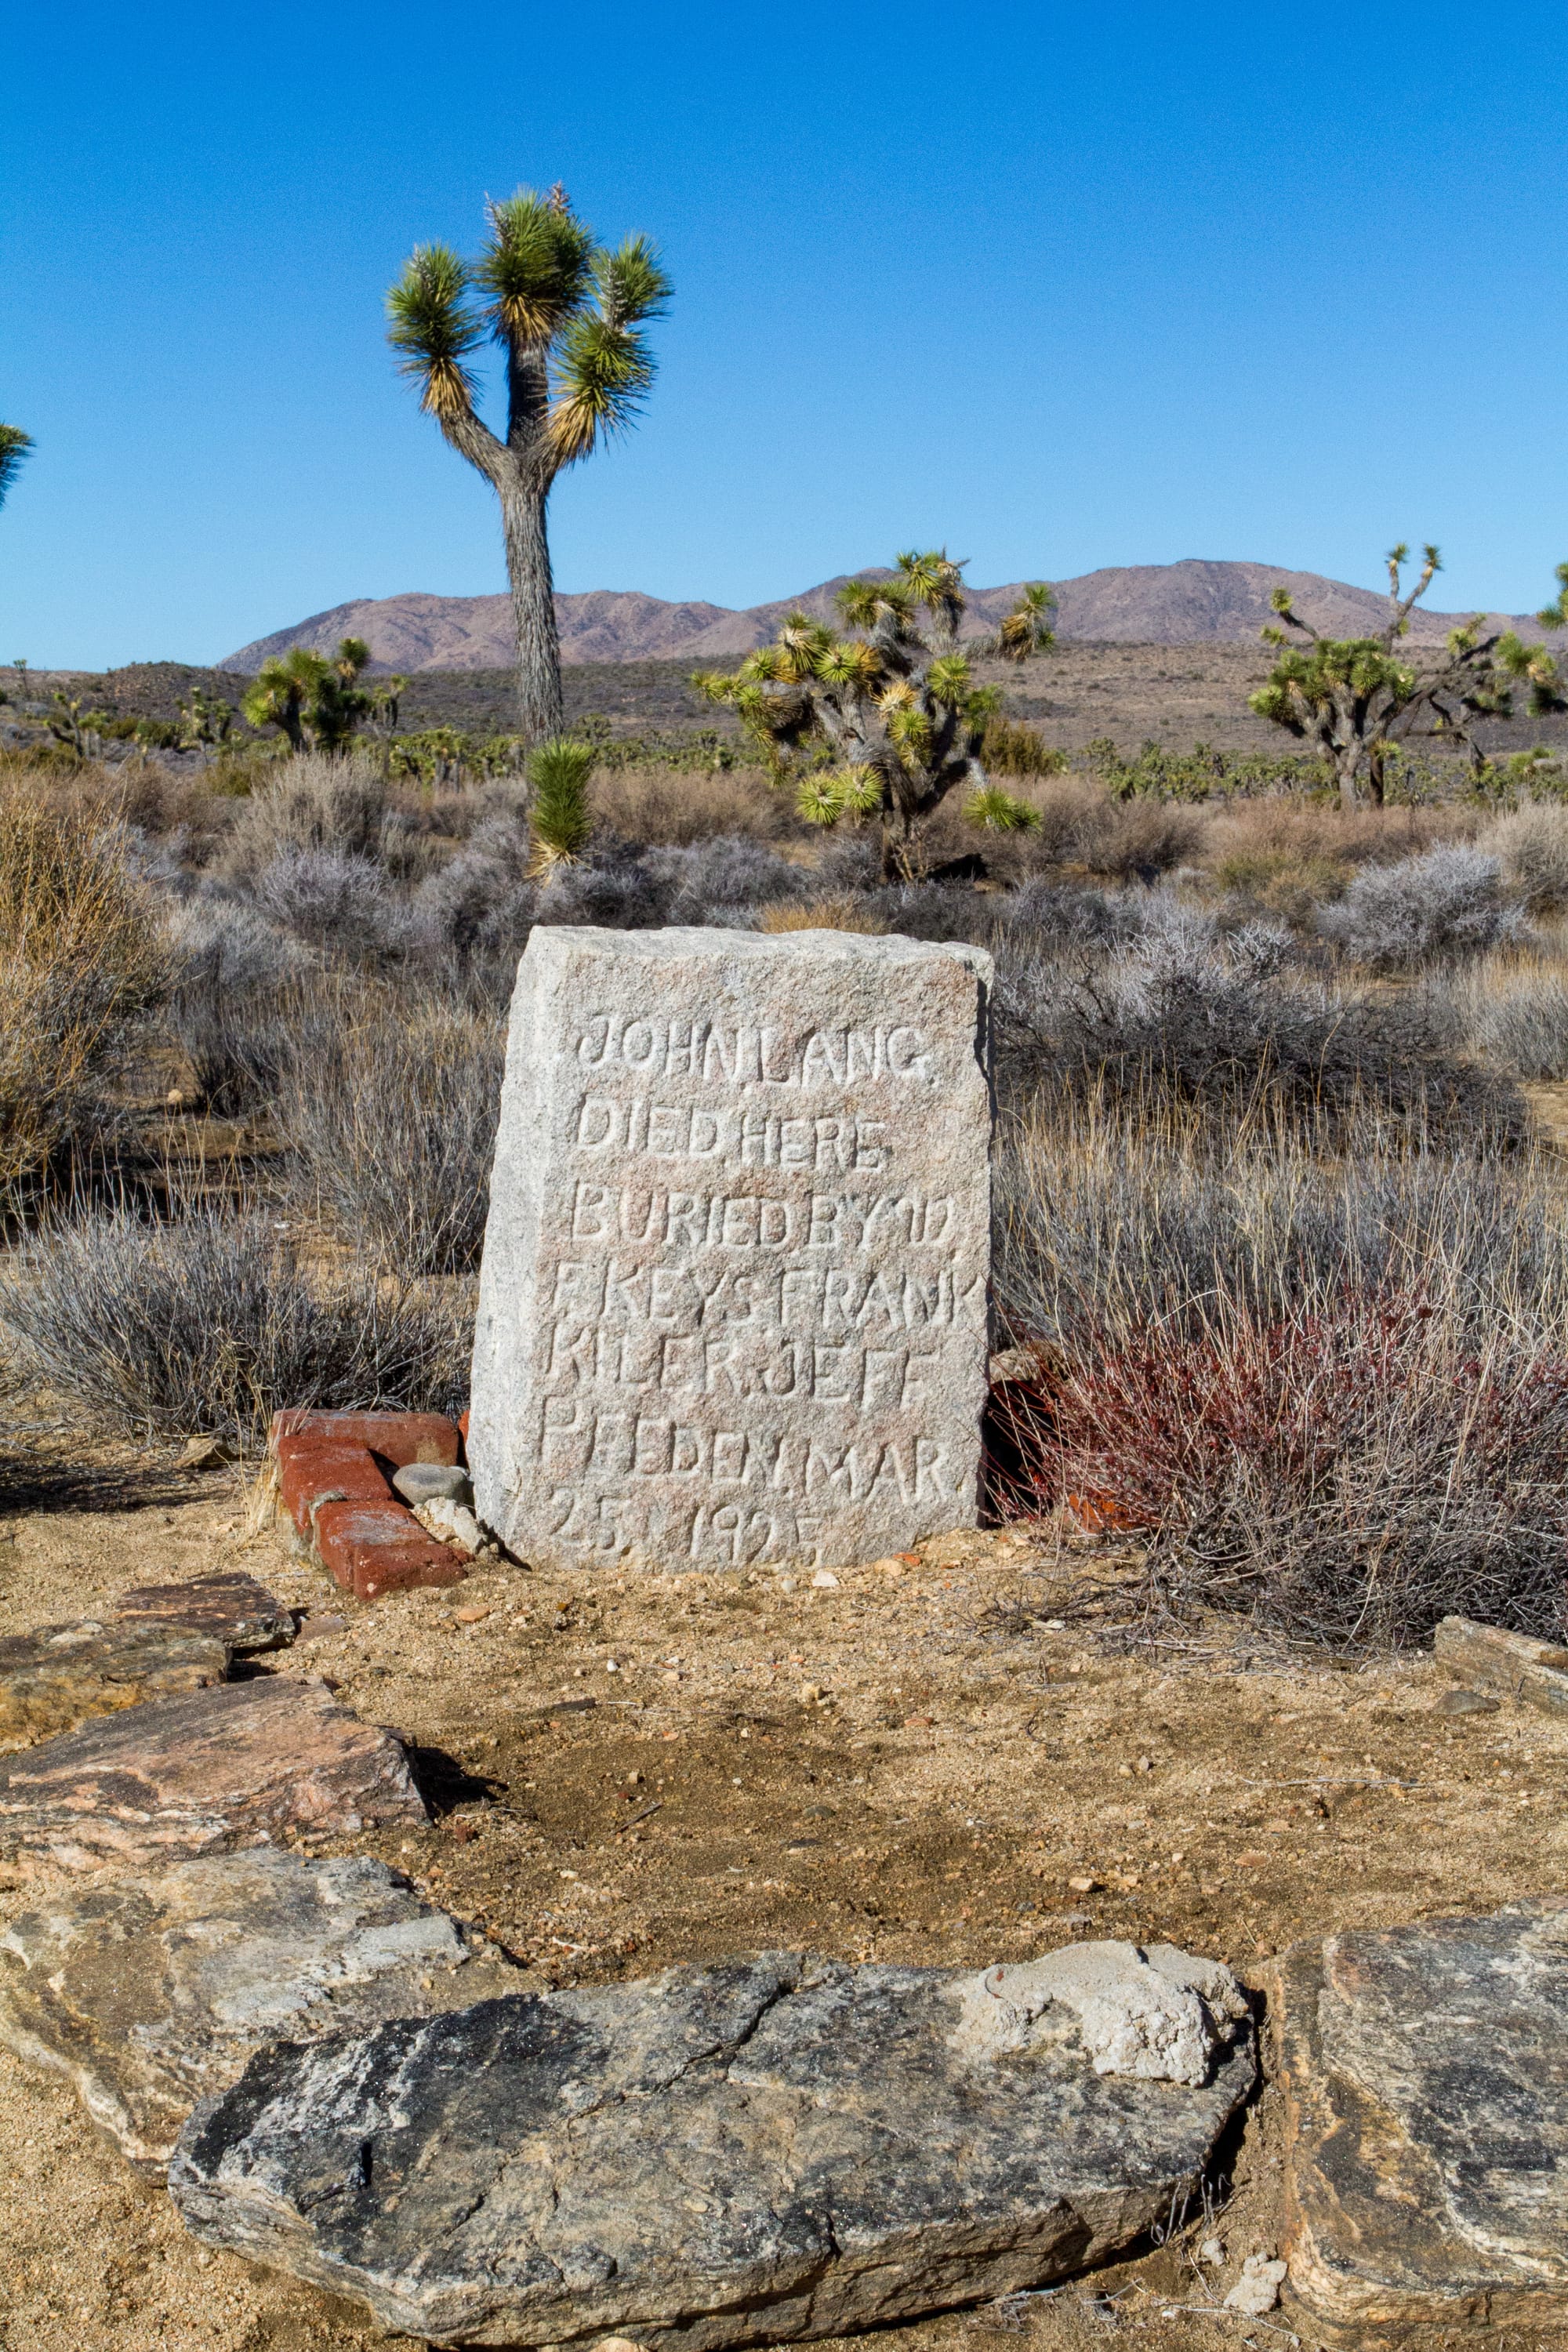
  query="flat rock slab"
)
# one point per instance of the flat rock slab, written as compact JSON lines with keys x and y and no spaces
{"x":1534,"y":1672}
{"x":757,"y":2151}
{"x":229,"y":1605}
{"x":734,"y":1301}
{"x":61,"y":1676}
{"x":232,"y":1767}
{"x":1426,"y":2072}
{"x":150,"y":1997}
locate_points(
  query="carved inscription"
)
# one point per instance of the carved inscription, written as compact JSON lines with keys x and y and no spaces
{"x":754,"y":1321}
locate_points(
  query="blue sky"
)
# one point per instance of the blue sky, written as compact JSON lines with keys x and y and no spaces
{"x":1060,"y":287}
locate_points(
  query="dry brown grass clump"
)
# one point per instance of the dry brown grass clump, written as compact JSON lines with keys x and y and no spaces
{"x":389,"y":1107}
{"x":1289,"y":826}
{"x":1532,"y":844}
{"x":81,"y":957}
{"x":672,"y":807}
{"x":826,"y":914}
{"x":1513,"y":1008}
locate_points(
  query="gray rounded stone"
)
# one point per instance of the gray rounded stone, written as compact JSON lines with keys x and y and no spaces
{"x":430,"y":1482}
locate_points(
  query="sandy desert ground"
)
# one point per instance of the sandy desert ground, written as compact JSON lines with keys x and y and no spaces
{"x":916,"y":1764}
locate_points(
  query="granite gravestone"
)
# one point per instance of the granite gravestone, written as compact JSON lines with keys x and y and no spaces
{"x":734,"y":1301}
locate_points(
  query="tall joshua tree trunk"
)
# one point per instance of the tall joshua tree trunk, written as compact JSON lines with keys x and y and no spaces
{"x":540,"y":708}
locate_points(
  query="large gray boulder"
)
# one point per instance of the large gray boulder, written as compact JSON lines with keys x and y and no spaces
{"x":767,"y":2149}
{"x":152,"y":1995}
{"x":1425,"y":2074}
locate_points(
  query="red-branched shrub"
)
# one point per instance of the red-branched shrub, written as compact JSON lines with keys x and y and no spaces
{"x":1347,"y":1473}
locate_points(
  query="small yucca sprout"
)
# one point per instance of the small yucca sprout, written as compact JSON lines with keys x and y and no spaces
{"x":558,"y":774}
{"x":1000,"y":812}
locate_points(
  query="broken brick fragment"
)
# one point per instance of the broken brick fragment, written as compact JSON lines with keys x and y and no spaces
{"x":370,"y":1548}
{"x":313,"y":1471}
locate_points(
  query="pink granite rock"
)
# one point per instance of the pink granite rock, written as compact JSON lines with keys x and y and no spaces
{"x":245,"y":1764}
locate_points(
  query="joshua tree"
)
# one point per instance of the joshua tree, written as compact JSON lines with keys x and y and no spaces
{"x":316,"y":702}
{"x":1355,"y":698}
{"x":569,"y":315}
{"x":894,"y":707}
{"x":14,"y":447}
{"x":204,"y":724}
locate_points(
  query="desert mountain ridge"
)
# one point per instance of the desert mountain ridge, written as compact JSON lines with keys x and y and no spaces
{"x":1195,"y":602}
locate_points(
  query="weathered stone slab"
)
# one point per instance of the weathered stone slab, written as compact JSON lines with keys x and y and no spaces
{"x":1425,"y":2073}
{"x":733,"y":1300}
{"x":1535,"y":1673}
{"x":230,"y":1606}
{"x":153,"y":1996}
{"x":59,"y":1677}
{"x":232,"y":1767}
{"x":763,"y":2150}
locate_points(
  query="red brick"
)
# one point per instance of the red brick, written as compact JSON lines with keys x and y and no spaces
{"x":399,"y":1438}
{"x":312,"y":1473}
{"x":376,"y":1547}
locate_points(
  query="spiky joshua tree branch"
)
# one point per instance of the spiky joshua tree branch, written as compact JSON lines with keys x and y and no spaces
{"x":570,"y":316}
{"x":886,"y":720}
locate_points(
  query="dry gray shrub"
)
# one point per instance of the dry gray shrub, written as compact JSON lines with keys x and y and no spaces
{"x":1447,"y":903}
{"x":1178,"y":1011}
{"x":389,"y":1110}
{"x":712,"y":881}
{"x":479,"y":908}
{"x":336,"y":901}
{"x":241,"y":1003}
{"x":315,"y":802}
{"x":207,"y":1323}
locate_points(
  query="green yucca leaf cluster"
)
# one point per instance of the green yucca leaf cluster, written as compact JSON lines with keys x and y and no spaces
{"x":541,"y":286}
{"x":14,"y":447}
{"x":558,"y":813}
{"x":1000,"y":812}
